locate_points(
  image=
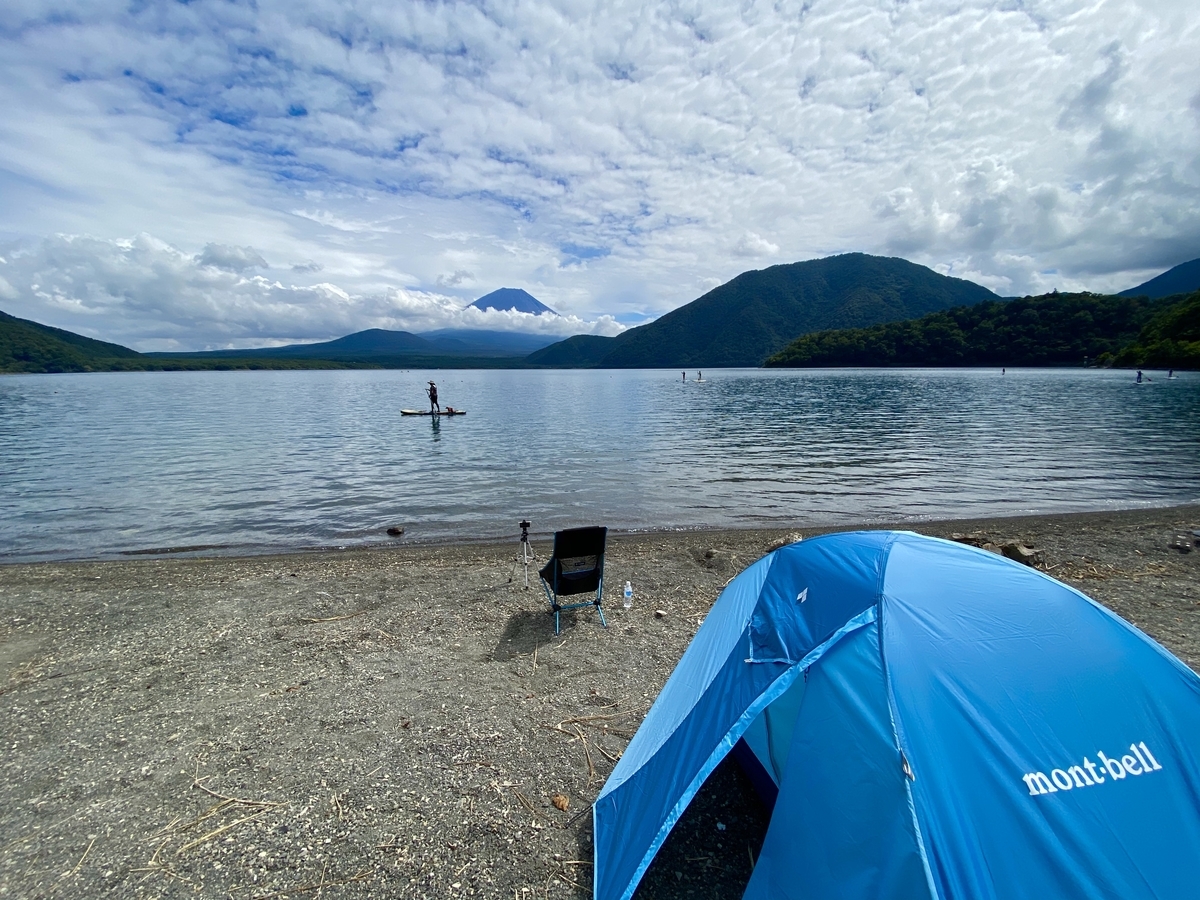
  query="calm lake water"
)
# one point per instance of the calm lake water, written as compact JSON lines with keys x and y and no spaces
{"x":99,"y":465}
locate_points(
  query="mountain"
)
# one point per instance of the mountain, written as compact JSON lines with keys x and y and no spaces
{"x":369,"y":343}
{"x":31,"y":347}
{"x":486,"y":343}
{"x":378,"y":346}
{"x":512,"y":298}
{"x":372,"y":342}
{"x":27,"y":346}
{"x":745,"y":320}
{"x":1182,"y":279}
{"x":1051,"y":330}
{"x":581,"y":351}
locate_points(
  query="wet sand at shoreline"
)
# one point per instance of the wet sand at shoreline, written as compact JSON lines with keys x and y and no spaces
{"x":394,"y":723}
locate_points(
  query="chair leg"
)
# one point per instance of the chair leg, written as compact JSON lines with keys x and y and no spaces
{"x":554,"y":607}
{"x":603,"y":621}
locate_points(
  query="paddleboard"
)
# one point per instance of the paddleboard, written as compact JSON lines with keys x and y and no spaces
{"x":425,"y":412}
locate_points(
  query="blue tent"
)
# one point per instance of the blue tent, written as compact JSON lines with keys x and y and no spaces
{"x":940,"y":723}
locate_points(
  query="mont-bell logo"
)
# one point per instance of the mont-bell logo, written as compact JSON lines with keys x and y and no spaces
{"x":1138,"y":761}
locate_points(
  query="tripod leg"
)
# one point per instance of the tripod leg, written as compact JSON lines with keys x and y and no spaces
{"x":524,"y":559}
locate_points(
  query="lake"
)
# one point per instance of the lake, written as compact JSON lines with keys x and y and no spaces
{"x":99,"y":465}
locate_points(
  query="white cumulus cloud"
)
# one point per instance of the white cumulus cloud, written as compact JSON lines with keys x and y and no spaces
{"x":149,"y":295}
{"x":617,"y":157}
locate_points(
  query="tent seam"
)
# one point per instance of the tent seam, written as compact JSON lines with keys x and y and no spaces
{"x":893,"y":715}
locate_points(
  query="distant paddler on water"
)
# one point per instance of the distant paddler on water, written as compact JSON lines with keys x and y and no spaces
{"x":435,"y":408}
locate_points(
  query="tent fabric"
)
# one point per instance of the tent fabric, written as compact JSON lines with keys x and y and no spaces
{"x":714,"y":695}
{"x":1079,"y":685}
{"x":843,"y":757}
{"x":940,"y":722}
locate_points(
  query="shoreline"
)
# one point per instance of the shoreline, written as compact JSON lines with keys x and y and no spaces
{"x":386,"y":545}
{"x":394,"y":721}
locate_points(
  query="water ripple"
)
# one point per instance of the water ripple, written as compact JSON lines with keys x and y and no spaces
{"x":101,"y":464}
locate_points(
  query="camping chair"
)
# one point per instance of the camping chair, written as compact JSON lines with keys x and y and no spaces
{"x":577,"y":567}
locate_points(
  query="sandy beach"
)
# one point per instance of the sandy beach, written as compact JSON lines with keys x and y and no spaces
{"x":398,"y":723}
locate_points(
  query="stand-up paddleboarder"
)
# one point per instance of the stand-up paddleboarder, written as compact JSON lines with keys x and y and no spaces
{"x":433,"y":401}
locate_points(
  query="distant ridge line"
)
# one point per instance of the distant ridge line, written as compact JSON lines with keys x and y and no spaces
{"x":1181,"y":279}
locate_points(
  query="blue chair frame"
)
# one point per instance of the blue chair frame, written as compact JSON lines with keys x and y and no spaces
{"x":577,"y":567}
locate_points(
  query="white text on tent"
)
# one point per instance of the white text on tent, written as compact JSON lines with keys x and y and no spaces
{"x":1139,"y":762}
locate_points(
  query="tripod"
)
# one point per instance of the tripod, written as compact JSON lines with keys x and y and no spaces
{"x":526,"y":555}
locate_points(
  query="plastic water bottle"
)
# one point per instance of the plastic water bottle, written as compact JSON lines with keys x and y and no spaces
{"x":628,"y":595}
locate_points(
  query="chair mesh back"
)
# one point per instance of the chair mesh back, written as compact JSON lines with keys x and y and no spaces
{"x":578,"y":562}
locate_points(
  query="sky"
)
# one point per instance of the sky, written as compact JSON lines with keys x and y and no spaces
{"x":208,"y":174}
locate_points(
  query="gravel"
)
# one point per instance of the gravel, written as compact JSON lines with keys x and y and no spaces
{"x":403,"y":722}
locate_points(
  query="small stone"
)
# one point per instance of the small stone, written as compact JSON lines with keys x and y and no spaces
{"x":1017,"y":551}
{"x":792,"y":538}
{"x":395,"y":530}
{"x":660,"y":613}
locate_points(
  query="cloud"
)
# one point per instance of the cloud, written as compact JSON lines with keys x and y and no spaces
{"x":751,"y":244}
{"x":146,"y":294}
{"x":232,"y":259}
{"x":621,"y":156}
{"x":460,"y":276}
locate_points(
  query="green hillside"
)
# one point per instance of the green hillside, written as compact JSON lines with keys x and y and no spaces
{"x":1181,"y":279}
{"x":581,"y":351}
{"x":747,"y":319}
{"x":357,"y":346}
{"x":1051,"y":330}
{"x":1170,"y":340}
{"x":29,"y":347}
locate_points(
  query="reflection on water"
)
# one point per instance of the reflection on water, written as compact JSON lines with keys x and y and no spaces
{"x":94,"y":465}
